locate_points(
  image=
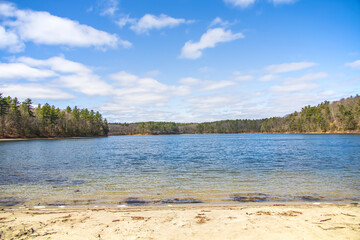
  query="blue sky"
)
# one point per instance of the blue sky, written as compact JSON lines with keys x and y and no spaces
{"x":180,"y":60}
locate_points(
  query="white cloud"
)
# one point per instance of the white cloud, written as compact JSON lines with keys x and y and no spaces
{"x":10,"y":40}
{"x":19,"y":70}
{"x":59,"y":64}
{"x":124,"y":79}
{"x":308,"y":77}
{"x":7,"y":9}
{"x":153,"y":73}
{"x":89,"y":84}
{"x":294,"y":87}
{"x":240,"y":3}
{"x":220,"y":22}
{"x":44,"y":28}
{"x":71,"y":75}
{"x":193,"y":50}
{"x":241,"y":78}
{"x":212,"y":85}
{"x":190,"y":81}
{"x":289,"y":67}
{"x":136,"y":91}
{"x":125,"y":20}
{"x":149,"y":22}
{"x":142,"y":99}
{"x":111,"y":6}
{"x":210,"y":108}
{"x":34,"y":91}
{"x":210,"y":101}
{"x":268,"y":77}
{"x":206,"y":85}
{"x":302,"y":83}
{"x":355,"y":64}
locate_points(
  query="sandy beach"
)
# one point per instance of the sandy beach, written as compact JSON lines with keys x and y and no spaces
{"x":242,"y":221}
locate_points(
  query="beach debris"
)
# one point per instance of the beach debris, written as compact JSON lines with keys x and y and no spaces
{"x":331,"y":228}
{"x":57,"y":203}
{"x":249,"y":197}
{"x":349,"y":215}
{"x":324,"y":220}
{"x":137,"y":218}
{"x":263,"y":213}
{"x":201,"y":218}
{"x":135,"y":201}
{"x":181,"y":200}
{"x":24,"y":232}
{"x":290,"y":213}
{"x":311,"y":198}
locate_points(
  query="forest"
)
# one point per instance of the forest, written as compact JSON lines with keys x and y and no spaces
{"x":22,"y":120}
{"x":341,"y":116}
{"x":153,"y":128}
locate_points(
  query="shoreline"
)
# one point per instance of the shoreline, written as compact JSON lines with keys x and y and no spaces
{"x":114,"y":135}
{"x":233,"y":221}
{"x":285,"y":133}
{"x":46,"y":138}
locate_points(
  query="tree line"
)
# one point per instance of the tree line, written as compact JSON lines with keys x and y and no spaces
{"x":154,"y":128}
{"x":22,"y":120}
{"x":336,"y":117}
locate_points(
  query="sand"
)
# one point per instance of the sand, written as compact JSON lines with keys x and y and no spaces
{"x":272,"y":221}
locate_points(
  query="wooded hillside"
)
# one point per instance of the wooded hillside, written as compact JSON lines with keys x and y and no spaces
{"x":22,"y":120}
{"x":339,"y":116}
{"x":336,"y":117}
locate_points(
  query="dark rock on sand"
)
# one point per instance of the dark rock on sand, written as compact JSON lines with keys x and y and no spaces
{"x":135,"y":201}
{"x":181,"y":200}
{"x":249,"y":197}
{"x":9,"y":202}
{"x":311,"y":198}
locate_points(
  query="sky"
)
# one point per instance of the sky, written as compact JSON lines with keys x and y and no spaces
{"x":180,"y":60}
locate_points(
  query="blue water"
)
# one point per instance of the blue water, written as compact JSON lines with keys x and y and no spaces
{"x":176,"y":168}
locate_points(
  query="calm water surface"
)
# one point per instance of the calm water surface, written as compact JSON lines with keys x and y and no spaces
{"x":175,"y":168}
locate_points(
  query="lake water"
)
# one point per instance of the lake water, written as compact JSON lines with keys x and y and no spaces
{"x":171,"y":169}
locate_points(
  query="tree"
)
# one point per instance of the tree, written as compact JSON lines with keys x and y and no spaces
{"x":4,"y":108}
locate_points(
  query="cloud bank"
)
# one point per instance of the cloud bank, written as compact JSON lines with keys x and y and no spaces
{"x":22,"y":26}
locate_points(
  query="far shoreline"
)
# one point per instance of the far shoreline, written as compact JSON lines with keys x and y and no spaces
{"x":46,"y":138}
{"x":114,"y":135}
{"x":285,"y":133}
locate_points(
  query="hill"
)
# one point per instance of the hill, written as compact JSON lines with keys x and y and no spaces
{"x":341,"y":116}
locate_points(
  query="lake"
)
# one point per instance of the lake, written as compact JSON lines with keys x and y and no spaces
{"x":170,"y":169}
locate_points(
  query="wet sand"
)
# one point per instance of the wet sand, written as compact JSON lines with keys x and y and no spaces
{"x":241,"y":221}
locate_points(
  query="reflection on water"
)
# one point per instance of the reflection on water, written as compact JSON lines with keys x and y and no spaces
{"x":180,"y":168}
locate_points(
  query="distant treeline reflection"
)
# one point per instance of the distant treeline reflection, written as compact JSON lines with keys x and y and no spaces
{"x":336,"y":117}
